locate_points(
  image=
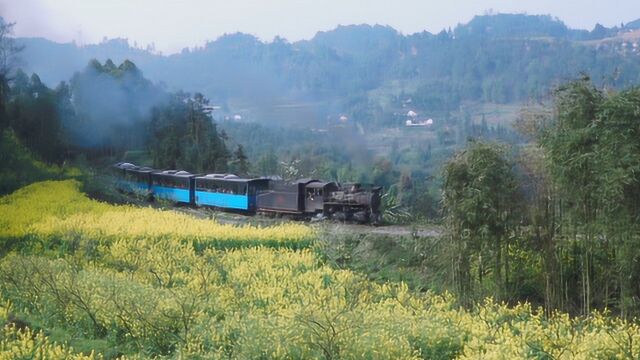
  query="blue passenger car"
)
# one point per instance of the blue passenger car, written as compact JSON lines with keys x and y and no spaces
{"x":132,"y":178}
{"x":228,"y":191}
{"x":173,"y":185}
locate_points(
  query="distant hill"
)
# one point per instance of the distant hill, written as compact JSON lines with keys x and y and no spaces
{"x":353,"y":69}
{"x":358,"y":39}
{"x":634,"y":25}
{"x":55,"y":62}
{"x":513,"y":26}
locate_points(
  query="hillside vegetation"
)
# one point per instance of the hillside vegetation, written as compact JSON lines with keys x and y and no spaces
{"x":161,"y":283}
{"x":19,"y":166}
{"x":502,"y":58}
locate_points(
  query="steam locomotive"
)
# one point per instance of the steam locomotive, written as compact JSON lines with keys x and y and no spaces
{"x":301,"y":198}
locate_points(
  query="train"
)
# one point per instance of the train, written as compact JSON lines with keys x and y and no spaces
{"x":303,"y":198}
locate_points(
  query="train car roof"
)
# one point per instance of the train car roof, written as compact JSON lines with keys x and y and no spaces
{"x":221,"y":176}
{"x":236,"y":179}
{"x":140,"y":169}
{"x":131,"y":167}
{"x":125,"y":165}
{"x":305,"y":181}
{"x":321,"y":185}
{"x":174,"y":173}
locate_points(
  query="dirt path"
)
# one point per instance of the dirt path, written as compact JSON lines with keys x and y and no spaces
{"x":421,"y":231}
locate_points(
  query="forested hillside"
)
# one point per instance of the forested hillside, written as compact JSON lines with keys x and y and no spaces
{"x":501,"y":58}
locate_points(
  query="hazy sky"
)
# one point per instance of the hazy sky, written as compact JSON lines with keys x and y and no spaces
{"x":175,"y":24}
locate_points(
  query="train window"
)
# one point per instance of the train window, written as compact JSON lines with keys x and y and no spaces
{"x":216,"y":187}
{"x":201,"y":185}
{"x":221,"y":187}
{"x":206,"y":186}
{"x":179,"y":183}
{"x":314,"y":194}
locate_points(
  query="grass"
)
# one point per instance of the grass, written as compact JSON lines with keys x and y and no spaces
{"x":415,"y":261}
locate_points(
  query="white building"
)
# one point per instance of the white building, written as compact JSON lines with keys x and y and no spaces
{"x":419,"y":123}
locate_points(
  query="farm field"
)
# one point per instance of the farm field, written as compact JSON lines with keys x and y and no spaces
{"x":85,"y":279}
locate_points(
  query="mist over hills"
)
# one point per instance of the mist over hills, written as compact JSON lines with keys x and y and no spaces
{"x":365,"y":71}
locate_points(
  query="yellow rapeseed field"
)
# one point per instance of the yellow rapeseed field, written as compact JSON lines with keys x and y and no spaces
{"x":142,"y":281}
{"x":57,"y":209}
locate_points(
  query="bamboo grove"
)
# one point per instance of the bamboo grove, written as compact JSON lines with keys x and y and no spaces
{"x":555,"y":221}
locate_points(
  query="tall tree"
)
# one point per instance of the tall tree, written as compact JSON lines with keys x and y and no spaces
{"x":183,"y":135}
{"x":32,"y":112}
{"x":593,"y":153}
{"x":8,"y":59}
{"x":481,"y":200}
{"x":543,"y":215}
{"x":571,"y":145}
